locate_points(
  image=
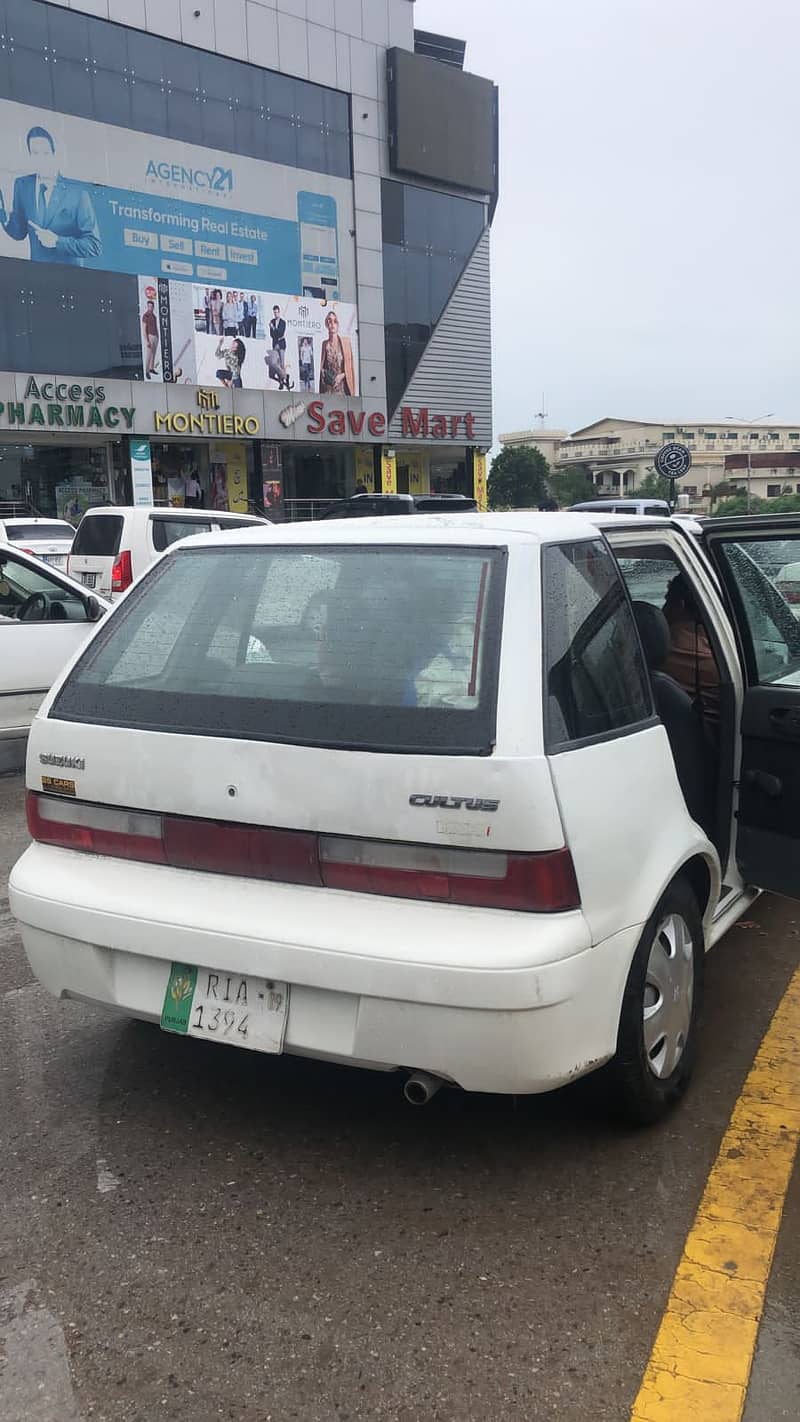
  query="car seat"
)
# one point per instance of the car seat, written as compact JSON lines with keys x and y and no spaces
{"x":682,"y":720}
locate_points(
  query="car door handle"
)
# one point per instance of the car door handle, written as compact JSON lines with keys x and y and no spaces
{"x":769,"y":784}
{"x":786,"y":719}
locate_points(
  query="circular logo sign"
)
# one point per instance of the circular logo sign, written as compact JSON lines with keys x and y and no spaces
{"x":673,"y":461}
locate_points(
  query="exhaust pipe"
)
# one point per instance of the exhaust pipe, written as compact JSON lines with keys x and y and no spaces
{"x":421,"y":1087}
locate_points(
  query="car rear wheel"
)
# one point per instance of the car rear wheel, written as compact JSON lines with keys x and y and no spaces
{"x":657,"y":1040}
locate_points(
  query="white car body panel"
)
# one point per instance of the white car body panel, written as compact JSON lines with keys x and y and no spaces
{"x":33,"y":654}
{"x":492,"y":999}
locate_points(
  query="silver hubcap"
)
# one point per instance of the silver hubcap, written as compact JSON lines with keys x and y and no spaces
{"x":668,"y":994}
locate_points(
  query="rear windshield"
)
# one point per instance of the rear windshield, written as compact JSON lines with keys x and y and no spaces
{"x":374,"y":648}
{"x":98,"y":536}
{"x":24,"y":532}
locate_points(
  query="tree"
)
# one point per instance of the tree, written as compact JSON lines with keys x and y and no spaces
{"x":653,"y":486}
{"x":572,"y":485}
{"x":738,"y":505}
{"x":518,"y":478}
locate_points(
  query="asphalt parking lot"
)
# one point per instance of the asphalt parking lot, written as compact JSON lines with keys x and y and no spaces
{"x":191,"y":1233}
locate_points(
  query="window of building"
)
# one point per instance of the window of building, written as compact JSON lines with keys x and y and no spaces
{"x":754,"y":434}
{"x":711,"y":434}
{"x":428,"y":238}
{"x":60,"y":60}
{"x":690,"y":490}
{"x":595,"y":679}
{"x":773,"y":434}
{"x":773,"y":490}
{"x":69,"y":318}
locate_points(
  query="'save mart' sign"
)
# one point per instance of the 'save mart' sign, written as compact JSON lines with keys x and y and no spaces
{"x":57,"y":405}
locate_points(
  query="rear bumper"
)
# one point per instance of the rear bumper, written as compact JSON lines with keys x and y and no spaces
{"x":492,"y":1000}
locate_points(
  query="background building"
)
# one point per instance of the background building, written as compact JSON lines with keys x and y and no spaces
{"x":245,"y":242}
{"x":619,"y":454}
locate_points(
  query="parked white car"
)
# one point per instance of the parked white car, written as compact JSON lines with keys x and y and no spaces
{"x":44,"y":618}
{"x":48,"y":538}
{"x":114,"y":544}
{"x":423,"y":794}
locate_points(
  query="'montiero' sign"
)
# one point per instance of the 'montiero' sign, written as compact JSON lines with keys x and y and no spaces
{"x":56,"y":405}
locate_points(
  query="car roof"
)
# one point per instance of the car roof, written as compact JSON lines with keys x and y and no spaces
{"x":146,"y":510}
{"x":479,"y":530}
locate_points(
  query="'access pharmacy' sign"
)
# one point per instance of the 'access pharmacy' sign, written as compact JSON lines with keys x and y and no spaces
{"x":58,"y":405}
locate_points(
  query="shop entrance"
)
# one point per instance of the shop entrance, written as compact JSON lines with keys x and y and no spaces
{"x":58,"y":480}
{"x":200,"y":475}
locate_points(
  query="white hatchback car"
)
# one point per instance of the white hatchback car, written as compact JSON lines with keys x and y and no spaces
{"x":115,"y":544}
{"x":428,"y":794}
{"x":44,"y":619}
{"x":48,"y":538}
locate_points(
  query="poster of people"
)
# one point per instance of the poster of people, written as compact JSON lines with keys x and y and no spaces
{"x":246,"y":340}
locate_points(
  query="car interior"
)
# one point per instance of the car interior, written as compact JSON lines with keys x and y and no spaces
{"x":692,"y":692}
{"x":27,"y":595}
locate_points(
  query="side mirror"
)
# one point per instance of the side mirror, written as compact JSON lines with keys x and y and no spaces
{"x":94,"y":609}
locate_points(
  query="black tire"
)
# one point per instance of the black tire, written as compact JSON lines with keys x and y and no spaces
{"x":636,"y":1092}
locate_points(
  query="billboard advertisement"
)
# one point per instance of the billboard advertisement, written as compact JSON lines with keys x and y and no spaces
{"x":244,"y":339}
{"x":220,"y":239}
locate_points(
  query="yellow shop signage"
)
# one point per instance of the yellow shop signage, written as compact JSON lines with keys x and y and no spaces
{"x":207,"y":423}
{"x":59,"y":405}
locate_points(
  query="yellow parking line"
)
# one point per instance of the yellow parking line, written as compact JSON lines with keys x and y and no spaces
{"x":701,"y":1360}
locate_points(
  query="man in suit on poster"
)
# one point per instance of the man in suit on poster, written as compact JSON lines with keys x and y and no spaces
{"x":56,"y":214}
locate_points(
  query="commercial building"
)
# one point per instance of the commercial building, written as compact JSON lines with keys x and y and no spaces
{"x":618,"y":455}
{"x":243,"y":244}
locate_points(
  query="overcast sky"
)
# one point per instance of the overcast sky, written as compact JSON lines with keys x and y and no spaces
{"x":646,"y":248}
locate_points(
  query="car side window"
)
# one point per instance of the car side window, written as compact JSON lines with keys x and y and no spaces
{"x":765,"y":575}
{"x":596,"y":682}
{"x":167,"y":531}
{"x":30,"y":595}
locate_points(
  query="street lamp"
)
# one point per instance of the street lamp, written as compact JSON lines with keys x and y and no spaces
{"x":756,"y":421}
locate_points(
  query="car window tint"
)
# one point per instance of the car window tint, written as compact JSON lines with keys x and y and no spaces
{"x":20,"y":532}
{"x":764,"y":576}
{"x":379,"y":648}
{"x":98,"y":536}
{"x":167,"y":531}
{"x":595,"y":678}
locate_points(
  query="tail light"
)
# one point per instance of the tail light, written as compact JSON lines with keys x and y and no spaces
{"x":122,"y":572}
{"x":791,"y":592}
{"x":533,"y":883}
{"x":32,"y":551}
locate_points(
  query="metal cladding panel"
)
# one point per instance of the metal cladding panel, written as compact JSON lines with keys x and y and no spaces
{"x":455,"y":373}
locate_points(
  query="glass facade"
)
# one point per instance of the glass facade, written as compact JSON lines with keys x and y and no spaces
{"x":428,"y":239}
{"x":75,"y":64}
{"x":68,"y":318}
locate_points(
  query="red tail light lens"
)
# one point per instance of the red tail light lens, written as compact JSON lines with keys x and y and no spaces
{"x":541,"y":883}
{"x":122,"y":573}
{"x":791,"y":591}
{"x":289,"y":856}
{"x":95,"y":829}
{"x":533,"y":883}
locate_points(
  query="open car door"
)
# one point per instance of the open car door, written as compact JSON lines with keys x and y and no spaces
{"x":758,"y":561}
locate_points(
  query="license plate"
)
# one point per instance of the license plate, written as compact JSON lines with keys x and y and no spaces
{"x":226,"y":1007}
{"x":55,"y":558}
{"x":89,"y":580}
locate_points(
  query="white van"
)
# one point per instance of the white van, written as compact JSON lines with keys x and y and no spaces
{"x":423,"y":794}
{"x":114,"y":545}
